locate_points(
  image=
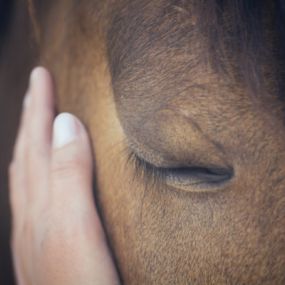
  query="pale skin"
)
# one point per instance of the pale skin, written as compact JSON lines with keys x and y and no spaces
{"x":57,"y":236}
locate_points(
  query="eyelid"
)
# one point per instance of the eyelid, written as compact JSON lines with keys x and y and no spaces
{"x":144,"y":170}
{"x":158,"y":175}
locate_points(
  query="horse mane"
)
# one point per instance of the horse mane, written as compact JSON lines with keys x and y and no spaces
{"x":241,"y":28}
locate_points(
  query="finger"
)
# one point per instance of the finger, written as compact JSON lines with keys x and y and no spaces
{"x":18,"y":167}
{"x":17,"y":187}
{"x":39,"y":129}
{"x":41,"y":109}
{"x":32,"y":148}
{"x":18,"y":266}
{"x":38,"y":105}
{"x":19,"y":142}
{"x":71,"y":159}
{"x":71,"y":175}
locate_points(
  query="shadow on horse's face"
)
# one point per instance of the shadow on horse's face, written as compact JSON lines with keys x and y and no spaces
{"x":190,"y":165}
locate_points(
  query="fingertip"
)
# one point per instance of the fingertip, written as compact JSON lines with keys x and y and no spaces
{"x":66,"y":129}
{"x":38,"y":73}
{"x":71,"y":158}
{"x":41,"y":83}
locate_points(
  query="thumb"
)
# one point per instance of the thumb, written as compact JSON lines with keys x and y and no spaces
{"x":71,"y":178}
{"x":71,"y":159}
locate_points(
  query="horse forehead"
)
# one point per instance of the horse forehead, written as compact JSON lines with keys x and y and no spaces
{"x":158,"y":59}
{"x":158,"y":63}
{"x":157,"y":55}
{"x":140,"y":28}
{"x":152,"y":53}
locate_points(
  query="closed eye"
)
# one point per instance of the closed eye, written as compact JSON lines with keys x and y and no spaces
{"x":190,"y":178}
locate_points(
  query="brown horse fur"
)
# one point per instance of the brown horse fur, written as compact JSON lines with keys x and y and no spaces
{"x":176,"y":89}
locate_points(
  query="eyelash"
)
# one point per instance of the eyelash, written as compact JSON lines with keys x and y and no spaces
{"x":157,"y":176}
{"x":150,"y":174}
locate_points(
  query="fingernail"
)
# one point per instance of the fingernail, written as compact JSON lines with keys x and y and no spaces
{"x":65,"y":130}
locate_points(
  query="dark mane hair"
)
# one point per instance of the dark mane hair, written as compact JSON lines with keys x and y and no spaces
{"x":249,"y":30}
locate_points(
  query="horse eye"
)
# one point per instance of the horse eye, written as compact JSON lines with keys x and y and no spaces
{"x":199,"y":178}
{"x":190,"y":178}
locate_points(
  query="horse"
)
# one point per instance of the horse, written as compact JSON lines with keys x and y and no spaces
{"x":184,"y":104}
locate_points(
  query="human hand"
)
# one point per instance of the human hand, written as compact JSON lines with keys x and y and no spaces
{"x":57,"y":237}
